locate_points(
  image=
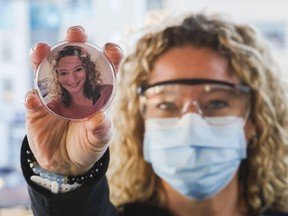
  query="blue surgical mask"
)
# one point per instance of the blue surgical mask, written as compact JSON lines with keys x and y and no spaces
{"x":196,"y":158}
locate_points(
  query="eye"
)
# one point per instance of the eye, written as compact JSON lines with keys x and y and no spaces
{"x":62,"y":73}
{"x":167,"y":106}
{"x":78,"y":69}
{"x":216,"y":104}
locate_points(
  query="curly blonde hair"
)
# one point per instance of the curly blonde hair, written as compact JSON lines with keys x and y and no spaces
{"x":56,"y":91}
{"x":263,"y":175}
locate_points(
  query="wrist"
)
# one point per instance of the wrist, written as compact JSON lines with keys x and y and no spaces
{"x":59,"y":183}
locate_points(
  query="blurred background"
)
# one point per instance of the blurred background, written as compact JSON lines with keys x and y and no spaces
{"x":25,"y":22}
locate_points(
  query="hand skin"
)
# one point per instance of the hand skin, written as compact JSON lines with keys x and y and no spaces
{"x":60,"y":146}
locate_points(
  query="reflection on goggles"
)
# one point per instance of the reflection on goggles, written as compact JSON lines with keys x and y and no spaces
{"x":209,"y":98}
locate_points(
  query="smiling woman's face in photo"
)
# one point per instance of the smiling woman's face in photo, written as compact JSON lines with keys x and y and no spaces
{"x":71,"y":74}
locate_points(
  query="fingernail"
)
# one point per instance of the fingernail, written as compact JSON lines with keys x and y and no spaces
{"x":112,"y":48}
{"x":31,"y":101}
{"x":75,"y":28}
{"x":28,"y":98}
{"x":33,"y":48}
{"x":29,"y":94}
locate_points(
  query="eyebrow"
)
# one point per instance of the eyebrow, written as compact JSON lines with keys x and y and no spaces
{"x":80,"y":65}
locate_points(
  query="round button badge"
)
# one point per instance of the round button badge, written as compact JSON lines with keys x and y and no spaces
{"x":75,"y":81}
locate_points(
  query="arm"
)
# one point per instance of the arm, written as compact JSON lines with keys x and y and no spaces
{"x":67,"y":148}
{"x":92,"y":198}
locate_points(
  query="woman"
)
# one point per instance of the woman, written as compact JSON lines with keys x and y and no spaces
{"x":201,"y":130}
{"x":75,"y":85}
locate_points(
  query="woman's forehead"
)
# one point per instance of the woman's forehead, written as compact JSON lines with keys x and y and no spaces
{"x":69,"y":60}
{"x":191,"y":62}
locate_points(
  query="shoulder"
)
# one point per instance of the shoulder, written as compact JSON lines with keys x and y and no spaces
{"x":104,"y":91}
{"x":56,"y":107}
{"x":106,"y":88}
{"x":53,"y":104}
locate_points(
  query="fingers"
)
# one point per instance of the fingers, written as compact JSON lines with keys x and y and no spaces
{"x":33,"y":106}
{"x":76,"y":34}
{"x":32,"y":101}
{"x":114,"y":53}
{"x":37,"y":53}
{"x":99,"y":128}
{"x":40,"y":50}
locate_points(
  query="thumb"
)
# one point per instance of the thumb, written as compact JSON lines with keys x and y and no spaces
{"x":99,"y":128}
{"x":32,"y":101}
{"x":33,"y":106}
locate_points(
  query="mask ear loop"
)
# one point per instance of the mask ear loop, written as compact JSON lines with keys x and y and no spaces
{"x":142,"y":105}
{"x":253,"y":139}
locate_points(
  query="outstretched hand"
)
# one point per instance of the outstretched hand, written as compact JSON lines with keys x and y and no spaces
{"x":61,"y":146}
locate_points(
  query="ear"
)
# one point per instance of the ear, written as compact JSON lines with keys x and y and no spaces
{"x":250,"y":130}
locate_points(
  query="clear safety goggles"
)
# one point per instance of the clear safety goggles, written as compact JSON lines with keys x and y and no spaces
{"x":207,"y":97}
